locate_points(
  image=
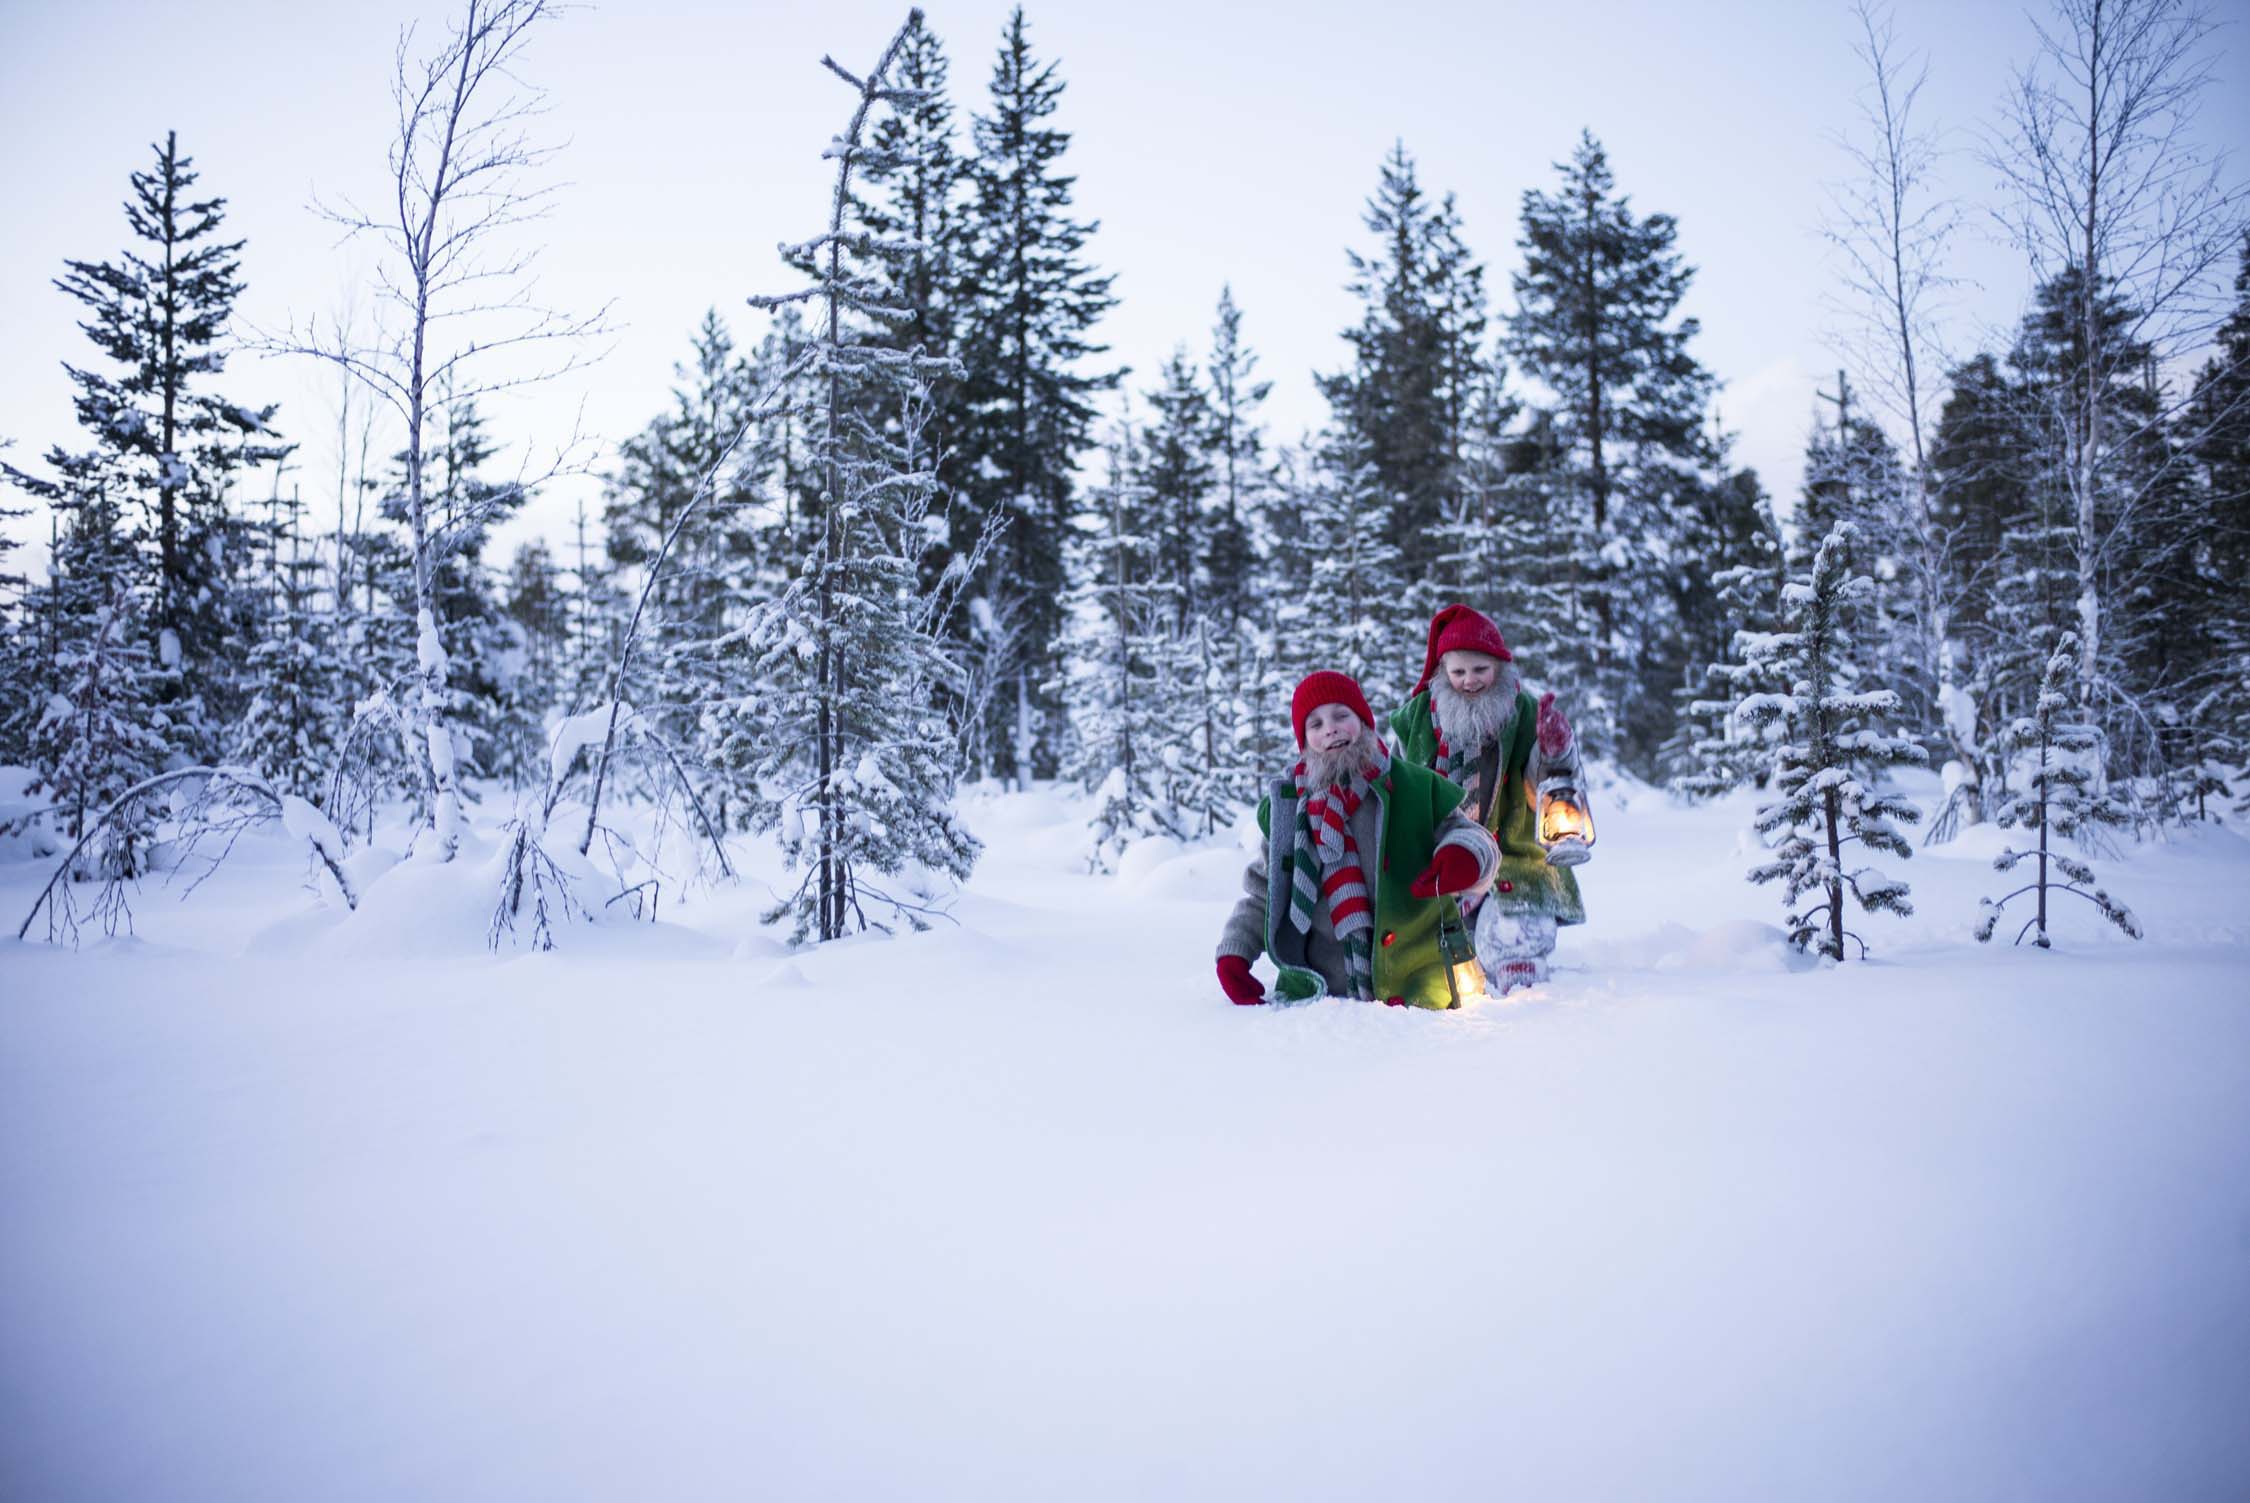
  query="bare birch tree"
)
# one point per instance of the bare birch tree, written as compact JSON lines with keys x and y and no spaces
{"x":2114,"y":196}
{"x":1893,"y":231}
{"x":454,"y":283}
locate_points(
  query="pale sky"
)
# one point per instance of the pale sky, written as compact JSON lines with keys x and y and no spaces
{"x":1215,"y":143}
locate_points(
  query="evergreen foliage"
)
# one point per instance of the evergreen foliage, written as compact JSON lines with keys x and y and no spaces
{"x":2062,"y":798}
{"x":1027,"y":398}
{"x":1597,"y":324}
{"x":1827,"y":793}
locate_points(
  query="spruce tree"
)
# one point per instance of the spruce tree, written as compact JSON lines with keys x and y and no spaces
{"x":1719,"y":750}
{"x":1230,"y":559}
{"x":1118,"y":660}
{"x":1483,"y":533}
{"x":1177,"y":471}
{"x":1596,"y":323}
{"x":1827,"y":793}
{"x":909,"y":196}
{"x":2061,"y":797}
{"x":1352,"y":616}
{"x":20,"y":668}
{"x":483,"y":709}
{"x":296,"y":719}
{"x":165,"y":443}
{"x":538,"y":609}
{"x":1026,"y":338}
{"x":1729,"y":583}
{"x":729,"y":554}
{"x":2217,"y":427}
{"x":836,"y":735}
{"x":100,"y":728}
{"x":1415,"y":347}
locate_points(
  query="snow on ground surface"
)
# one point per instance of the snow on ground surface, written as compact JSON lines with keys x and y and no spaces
{"x":1020,"y":1208}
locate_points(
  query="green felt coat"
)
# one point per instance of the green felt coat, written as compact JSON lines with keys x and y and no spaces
{"x":1526,"y":884}
{"x":1409,"y":965}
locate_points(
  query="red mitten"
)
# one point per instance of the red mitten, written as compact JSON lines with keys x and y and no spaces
{"x":1454,"y":870}
{"x":1554,"y":731}
{"x":1242,"y":988}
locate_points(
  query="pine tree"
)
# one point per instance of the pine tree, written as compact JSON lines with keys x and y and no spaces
{"x":1826,"y":796}
{"x":1730,"y":583}
{"x":1351,"y":617}
{"x":1118,"y":661}
{"x":2217,"y":426}
{"x":165,"y":443}
{"x":100,"y":729}
{"x":483,"y":710}
{"x":910,"y":198}
{"x":1596,"y":323}
{"x":731,"y":553}
{"x":295,"y":723}
{"x":1979,"y":487}
{"x":1721,"y":751}
{"x":1177,"y":471}
{"x":1484,"y":531}
{"x":839,"y":740}
{"x":1230,"y":559}
{"x":1027,"y":400}
{"x":2061,"y":797}
{"x":1406,"y":395}
{"x":538,"y":608}
{"x":20,"y":668}
{"x":1853,"y":474}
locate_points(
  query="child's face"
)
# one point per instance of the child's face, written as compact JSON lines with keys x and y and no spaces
{"x":1331,"y":728}
{"x":1470,"y":673}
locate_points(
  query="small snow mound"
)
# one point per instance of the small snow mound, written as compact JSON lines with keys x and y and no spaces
{"x":1143,"y":858}
{"x":1977,"y":843}
{"x":757,"y":947}
{"x":1742,"y":945}
{"x":294,"y":932}
{"x":1745,"y":945}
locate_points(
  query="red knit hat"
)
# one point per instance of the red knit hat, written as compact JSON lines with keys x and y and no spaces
{"x":1459,"y":629}
{"x":1325,"y":688}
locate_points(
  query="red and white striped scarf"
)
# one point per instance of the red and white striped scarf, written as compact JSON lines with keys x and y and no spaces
{"x":1327,"y":865}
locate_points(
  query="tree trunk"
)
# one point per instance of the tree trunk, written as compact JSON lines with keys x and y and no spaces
{"x":168,"y":534}
{"x":1836,"y":879}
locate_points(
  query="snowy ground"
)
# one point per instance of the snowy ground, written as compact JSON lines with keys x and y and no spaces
{"x":300,"y":1209}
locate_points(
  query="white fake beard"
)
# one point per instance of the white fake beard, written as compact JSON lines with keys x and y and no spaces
{"x":1472,"y":722}
{"x":1327,"y":769}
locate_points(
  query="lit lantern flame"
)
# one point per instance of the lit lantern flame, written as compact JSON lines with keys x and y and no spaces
{"x":1566,"y":827}
{"x":1464,"y":976}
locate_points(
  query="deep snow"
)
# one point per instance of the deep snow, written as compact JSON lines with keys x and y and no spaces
{"x":305,"y":1208}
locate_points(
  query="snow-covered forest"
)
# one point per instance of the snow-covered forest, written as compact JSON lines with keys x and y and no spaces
{"x":718,"y":999}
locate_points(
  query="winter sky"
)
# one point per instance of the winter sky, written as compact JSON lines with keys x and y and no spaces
{"x":1215,"y":143}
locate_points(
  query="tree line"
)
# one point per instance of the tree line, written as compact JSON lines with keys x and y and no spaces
{"x":921,"y":509}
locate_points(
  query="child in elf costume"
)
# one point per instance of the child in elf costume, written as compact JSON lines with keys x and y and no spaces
{"x":1365,"y":857}
{"x":1471,"y":721}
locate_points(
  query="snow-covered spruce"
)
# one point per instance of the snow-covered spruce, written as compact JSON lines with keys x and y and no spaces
{"x":164,"y":450}
{"x":1117,"y":662}
{"x":839,"y":739}
{"x":1724,"y":751}
{"x":2062,"y":796}
{"x":1832,"y":756}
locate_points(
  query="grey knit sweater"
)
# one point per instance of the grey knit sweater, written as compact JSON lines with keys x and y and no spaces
{"x":1245,"y":933}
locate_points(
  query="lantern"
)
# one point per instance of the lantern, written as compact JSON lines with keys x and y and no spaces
{"x":1566,"y":823}
{"x":1464,"y":973}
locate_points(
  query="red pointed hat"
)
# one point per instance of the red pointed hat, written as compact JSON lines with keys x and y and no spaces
{"x":1326,"y":688}
{"x":1459,"y":629}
